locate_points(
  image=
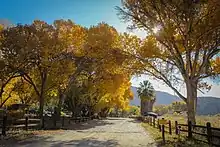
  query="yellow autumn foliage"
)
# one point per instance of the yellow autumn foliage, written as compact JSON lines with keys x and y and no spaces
{"x":216,"y":65}
{"x":91,"y":60}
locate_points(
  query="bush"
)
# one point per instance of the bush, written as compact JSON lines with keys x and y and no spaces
{"x":134,"y":110}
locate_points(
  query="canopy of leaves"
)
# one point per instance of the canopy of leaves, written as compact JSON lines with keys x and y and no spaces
{"x":49,"y":62}
{"x":184,"y":48}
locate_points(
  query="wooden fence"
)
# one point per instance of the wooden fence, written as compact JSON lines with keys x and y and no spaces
{"x":24,"y":123}
{"x":27,"y":123}
{"x":209,"y":135}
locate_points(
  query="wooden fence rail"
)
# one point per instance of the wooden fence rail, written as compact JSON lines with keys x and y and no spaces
{"x":211,"y":134}
{"x":25,"y":123}
{"x":34,"y":123}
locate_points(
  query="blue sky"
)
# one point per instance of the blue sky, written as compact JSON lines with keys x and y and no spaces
{"x":84,"y":12}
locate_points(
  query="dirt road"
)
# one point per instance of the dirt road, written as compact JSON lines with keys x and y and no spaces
{"x":113,"y":132}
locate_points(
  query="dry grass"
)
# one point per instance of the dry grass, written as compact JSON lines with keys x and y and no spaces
{"x":200,"y":120}
{"x":171,"y":140}
{"x":181,"y":141}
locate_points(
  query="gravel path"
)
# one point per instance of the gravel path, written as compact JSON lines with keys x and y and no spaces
{"x":113,"y":132}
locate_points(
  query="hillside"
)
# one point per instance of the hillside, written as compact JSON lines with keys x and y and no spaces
{"x":205,"y":106}
{"x":208,"y":105}
{"x":162,"y":98}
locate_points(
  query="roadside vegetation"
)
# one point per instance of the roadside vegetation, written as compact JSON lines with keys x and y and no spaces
{"x":200,"y":119}
{"x":177,"y":111}
{"x":171,"y":140}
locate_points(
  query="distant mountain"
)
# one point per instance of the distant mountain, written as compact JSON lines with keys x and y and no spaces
{"x":162,"y":98}
{"x":205,"y":106}
{"x":136,"y":99}
{"x":208,"y":105}
{"x":165,"y":98}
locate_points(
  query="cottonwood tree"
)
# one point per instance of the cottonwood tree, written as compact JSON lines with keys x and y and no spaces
{"x":100,"y":82}
{"x":105,"y":45}
{"x":66,"y":60}
{"x":183,"y":39}
{"x":42,"y":47}
{"x":11,"y":63}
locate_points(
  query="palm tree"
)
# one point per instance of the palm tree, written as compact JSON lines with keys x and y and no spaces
{"x":146,"y":93}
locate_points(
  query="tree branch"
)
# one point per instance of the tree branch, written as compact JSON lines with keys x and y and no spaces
{"x":30,"y":81}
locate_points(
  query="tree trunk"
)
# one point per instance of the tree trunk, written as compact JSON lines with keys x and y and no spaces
{"x":104,"y":112}
{"x":147,"y":106}
{"x":60,"y":102}
{"x":43,"y":84}
{"x":142,"y":107}
{"x":151,"y":103}
{"x":41,"y":109}
{"x":191,"y":88}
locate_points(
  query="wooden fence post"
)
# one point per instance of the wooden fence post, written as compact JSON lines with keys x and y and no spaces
{"x":69,"y":120}
{"x":209,"y":133}
{"x":154,"y":121}
{"x":160,"y":128}
{"x":158,"y":124}
{"x":163,"y":133}
{"x":176,"y":127}
{"x":179,"y":128}
{"x":26,"y":123}
{"x":54,"y":121}
{"x":170,"y":128}
{"x":42,"y":127}
{"x":189,"y":129}
{"x":63,"y":121}
{"x":4,"y":125}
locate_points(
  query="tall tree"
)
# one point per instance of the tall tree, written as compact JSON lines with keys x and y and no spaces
{"x":147,"y":95}
{"x":102,"y":82}
{"x":183,"y":40}
{"x":37,"y":51}
{"x":11,"y":63}
{"x":67,"y":60}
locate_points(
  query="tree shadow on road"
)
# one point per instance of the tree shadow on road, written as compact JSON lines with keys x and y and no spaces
{"x":88,"y":142}
{"x":115,"y":118}
{"x":48,"y":141}
{"x":20,"y":135}
{"x":87,"y":125}
{"x":134,"y":121}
